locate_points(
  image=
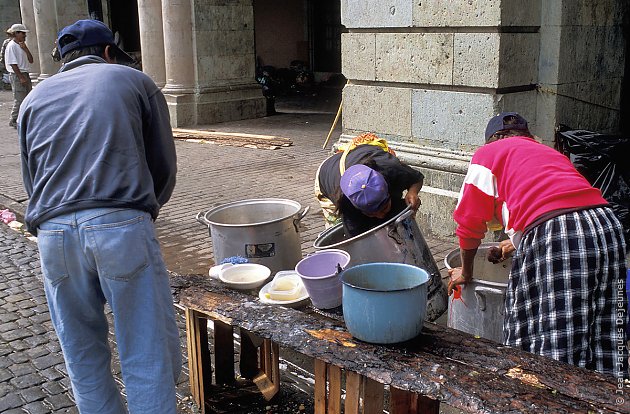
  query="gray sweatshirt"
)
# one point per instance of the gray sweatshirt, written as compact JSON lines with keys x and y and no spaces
{"x":95,"y":135}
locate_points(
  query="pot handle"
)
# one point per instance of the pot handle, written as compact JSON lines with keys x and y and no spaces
{"x":201,"y":218}
{"x":480,"y":293}
{"x":296,"y":221}
{"x":406,"y":213}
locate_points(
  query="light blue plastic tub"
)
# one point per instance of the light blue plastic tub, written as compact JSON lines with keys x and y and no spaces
{"x":384,"y":303}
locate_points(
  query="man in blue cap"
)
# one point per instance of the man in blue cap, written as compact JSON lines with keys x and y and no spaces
{"x":98,"y":162}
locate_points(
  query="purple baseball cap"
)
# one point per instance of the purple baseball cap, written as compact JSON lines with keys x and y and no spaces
{"x":366,"y":189}
{"x":90,"y":33}
{"x":497,"y":123}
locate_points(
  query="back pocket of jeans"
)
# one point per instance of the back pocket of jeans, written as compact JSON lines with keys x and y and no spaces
{"x":51,"y":253}
{"x":120,"y":248}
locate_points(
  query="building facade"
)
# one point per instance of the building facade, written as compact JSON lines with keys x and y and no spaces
{"x":426,"y":75}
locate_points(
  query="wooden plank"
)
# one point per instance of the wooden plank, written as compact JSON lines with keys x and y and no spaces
{"x":199,"y":360}
{"x":334,"y":389}
{"x":192,"y":345}
{"x":427,"y":405}
{"x":233,"y":139}
{"x":353,"y":392}
{"x":268,"y":380}
{"x":223,"y":353}
{"x":373,"y":396}
{"x":320,"y":387}
{"x":248,"y":358}
{"x":204,"y":133}
{"x":402,"y":402}
{"x":441,"y":363}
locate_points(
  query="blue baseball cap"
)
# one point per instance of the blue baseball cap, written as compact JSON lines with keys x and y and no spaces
{"x":497,"y":123}
{"x":90,"y":33}
{"x":366,"y":189}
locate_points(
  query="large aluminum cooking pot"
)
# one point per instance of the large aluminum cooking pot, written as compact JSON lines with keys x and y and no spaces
{"x":481,"y":307}
{"x":398,"y":240}
{"x":265,"y":231}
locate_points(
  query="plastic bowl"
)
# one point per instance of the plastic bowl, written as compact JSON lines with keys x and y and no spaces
{"x":285,"y":286}
{"x":246,"y":276}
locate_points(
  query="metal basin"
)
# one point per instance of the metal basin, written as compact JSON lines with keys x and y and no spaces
{"x":481,"y":307}
{"x":398,"y":240}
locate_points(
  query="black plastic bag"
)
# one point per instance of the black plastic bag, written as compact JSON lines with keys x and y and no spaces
{"x":604,"y":161}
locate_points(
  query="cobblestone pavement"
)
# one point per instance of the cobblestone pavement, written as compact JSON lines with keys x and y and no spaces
{"x":32,"y":374}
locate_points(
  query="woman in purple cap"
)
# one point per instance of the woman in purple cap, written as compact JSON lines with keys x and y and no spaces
{"x":565,"y":296}
{"x":363,"y":186}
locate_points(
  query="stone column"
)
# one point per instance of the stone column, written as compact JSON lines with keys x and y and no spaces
{"x":581,"y":65}
{"x":152,"y":40}
{"x":28,"y":19}
{"x":428,"y":75}
{"x":225,"y":61}
{"x":179,"y":64}
{"x":46,"y":22}
{"x":69,"y":11}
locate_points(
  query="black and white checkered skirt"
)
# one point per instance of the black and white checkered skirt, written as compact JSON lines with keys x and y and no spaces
{"x":566,"y":295}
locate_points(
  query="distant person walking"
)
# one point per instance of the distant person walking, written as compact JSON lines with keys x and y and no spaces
{"x":98,"y":162}
{"x":17,"y":61}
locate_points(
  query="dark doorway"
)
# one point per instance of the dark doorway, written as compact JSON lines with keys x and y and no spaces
{"x":298,"y":54}
{"x":124,"y":21}
{"x":326,"y":35}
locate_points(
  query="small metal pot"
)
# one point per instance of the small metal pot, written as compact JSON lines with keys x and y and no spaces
{"x":480,"y":307}
{"x":265,"y":231}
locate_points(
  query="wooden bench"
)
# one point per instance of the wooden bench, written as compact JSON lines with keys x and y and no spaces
{"x":441,"y":365}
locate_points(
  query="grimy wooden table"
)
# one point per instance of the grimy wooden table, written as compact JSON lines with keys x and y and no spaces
{"x":440,"y":365}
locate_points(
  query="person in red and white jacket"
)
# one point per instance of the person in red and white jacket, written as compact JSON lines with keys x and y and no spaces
{"x":562,"y":298}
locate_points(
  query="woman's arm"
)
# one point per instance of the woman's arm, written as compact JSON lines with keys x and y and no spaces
{"x":412,"y":197}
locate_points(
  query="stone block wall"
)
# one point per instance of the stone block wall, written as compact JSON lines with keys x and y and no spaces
{"x":10,"y":14}
{"x":224,"y":60}
{"x":427,"y":75}
{"x":581,"y":64}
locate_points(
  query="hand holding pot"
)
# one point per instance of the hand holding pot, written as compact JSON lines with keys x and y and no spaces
{"x":412,"y":198}
{"x":457,"y":278}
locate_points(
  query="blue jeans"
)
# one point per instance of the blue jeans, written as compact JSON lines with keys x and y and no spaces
{"x":112,"y":255}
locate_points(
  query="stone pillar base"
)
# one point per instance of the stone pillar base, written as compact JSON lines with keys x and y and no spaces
{"x":182,"y":108}
{"x":230,"y":103}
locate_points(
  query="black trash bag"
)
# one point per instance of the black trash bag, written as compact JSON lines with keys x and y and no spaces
{"x":603,"y":160}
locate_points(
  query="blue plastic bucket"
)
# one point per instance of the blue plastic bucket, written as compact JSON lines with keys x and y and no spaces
{"x":384,"y":303}
{"x":320,"y":274}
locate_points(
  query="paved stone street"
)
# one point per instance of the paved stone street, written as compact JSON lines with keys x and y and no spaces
{"x":32,"y":373}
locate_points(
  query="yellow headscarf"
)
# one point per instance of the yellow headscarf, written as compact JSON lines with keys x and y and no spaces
{"x":364,"y":139}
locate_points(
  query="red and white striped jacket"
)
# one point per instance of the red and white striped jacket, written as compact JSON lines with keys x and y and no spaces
{"x":514,"y":181}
